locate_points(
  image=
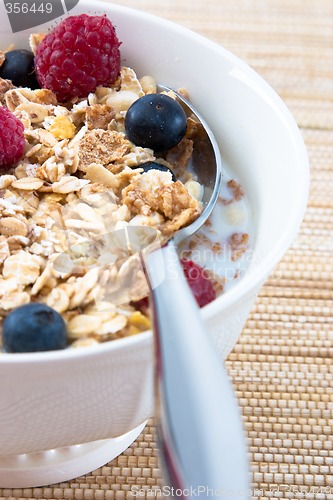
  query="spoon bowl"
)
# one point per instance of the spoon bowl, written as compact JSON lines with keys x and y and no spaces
{"x":205,"y":165}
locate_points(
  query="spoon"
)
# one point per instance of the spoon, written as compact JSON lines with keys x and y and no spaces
{"x":201,"y":440}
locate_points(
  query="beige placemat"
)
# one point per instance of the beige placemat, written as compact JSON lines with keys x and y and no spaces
{"x":282,"y":366}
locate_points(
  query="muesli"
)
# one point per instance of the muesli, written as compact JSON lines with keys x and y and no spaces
{"x":67,"y":205}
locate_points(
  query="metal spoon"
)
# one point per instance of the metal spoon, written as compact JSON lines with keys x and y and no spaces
{"x":199,"y":429}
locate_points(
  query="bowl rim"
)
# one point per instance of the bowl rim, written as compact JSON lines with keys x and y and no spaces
{"x":250,"y":281}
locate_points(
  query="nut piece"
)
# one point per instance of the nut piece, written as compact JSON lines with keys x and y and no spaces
{"x":69,"y":184}
{"x":14,"y":98}
{"x":37,"y":112}
{"x":148,"y":85}
{"x":98,"y":173}
{"x":46,"y":138}
{"x":122,"y":100}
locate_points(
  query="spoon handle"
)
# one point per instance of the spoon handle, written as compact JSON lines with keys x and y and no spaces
{"x":198,"y":422}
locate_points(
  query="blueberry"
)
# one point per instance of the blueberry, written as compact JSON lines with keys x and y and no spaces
{"x":153,"y":165}
{"x":156,"y":121}
{"x":19,"y":68}
{"x":33,"y":327}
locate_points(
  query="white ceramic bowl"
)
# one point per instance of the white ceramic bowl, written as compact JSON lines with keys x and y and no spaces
{"x":62,"y":398}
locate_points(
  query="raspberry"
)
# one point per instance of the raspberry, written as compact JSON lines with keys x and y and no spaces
{"x":12,"y":141}
{"x":200,"y":284}
{"x":142,"y":305}
{"x":77,"y":56}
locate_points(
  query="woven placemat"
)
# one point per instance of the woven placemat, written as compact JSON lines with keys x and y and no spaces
{"x":282,"y":366}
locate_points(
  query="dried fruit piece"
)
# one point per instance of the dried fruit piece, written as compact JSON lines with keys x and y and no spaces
{"x":199,"y":281}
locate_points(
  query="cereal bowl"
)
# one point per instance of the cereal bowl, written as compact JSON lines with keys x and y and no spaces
{"x":67,"y":412}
